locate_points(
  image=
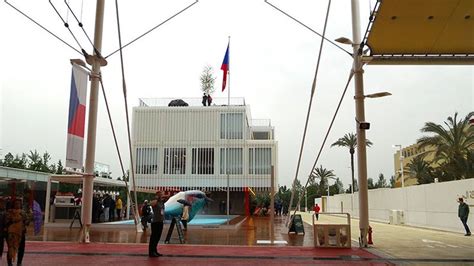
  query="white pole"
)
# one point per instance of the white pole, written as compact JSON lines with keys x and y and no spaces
{"x":88,"y":183}
{"x":401,"y":167}
{"x":306,"y":200}
{"x":47,"y":204}
{"x":228,"y":76}
{"x":360,"y":117}
{"x":227,"y":141}
{"x":327,"y":199}
{"x":272,"y":204}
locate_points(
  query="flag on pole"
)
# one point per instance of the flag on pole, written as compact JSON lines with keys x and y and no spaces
{"x":77,"y":117}
{"x":225,"y":67}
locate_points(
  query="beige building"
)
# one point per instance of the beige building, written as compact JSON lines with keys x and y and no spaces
{"x":408,"y":153}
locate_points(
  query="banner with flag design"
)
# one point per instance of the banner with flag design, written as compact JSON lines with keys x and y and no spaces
{"x":77,"y":117}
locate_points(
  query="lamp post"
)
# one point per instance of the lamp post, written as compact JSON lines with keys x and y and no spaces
{"x":401,"y":163}
{"x":360,"y":116}
{"x":327,"y":199}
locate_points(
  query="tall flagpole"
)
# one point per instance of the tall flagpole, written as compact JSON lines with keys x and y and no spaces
{"x":227,"y":130}
{"x":228,"y":76}
{"x":88,"y":182}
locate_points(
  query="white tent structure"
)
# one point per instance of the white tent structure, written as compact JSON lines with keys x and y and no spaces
{"x":405,"y":32}
{"x":76,"y":179}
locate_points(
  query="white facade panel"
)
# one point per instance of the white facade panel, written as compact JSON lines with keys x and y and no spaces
{"x":186,"y":147}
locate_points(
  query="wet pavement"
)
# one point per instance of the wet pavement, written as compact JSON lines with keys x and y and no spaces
{"x":411,"y":244}
{"x":241,"y":244}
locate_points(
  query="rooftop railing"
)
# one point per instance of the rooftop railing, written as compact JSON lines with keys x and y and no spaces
{"x":156,"y":102}
{"x":260,"y":123}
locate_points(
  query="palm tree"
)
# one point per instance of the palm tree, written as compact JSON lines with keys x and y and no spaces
{"x":452,"y":145}
{"x":350,"y":141}
{"x":324,"y":175}
{"x":421,"y":170}
{"x":35,"y":160}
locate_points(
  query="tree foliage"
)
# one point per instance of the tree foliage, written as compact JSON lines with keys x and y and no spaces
{"x":453,"y":147}
{"x":349,"y":140}
{"x":207,"y":80}
{"x":421,"y":170}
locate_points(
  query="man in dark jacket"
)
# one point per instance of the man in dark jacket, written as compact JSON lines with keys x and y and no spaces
{"x":158,"y":206}
{"x":463,"y":214}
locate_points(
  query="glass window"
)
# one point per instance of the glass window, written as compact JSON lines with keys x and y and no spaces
{"x":232,"y":160}
{"x":203,"y":161}
{"x":260,"y":161}
{"x":147,"y":161}
{"x":175,"y":161}
{"x":232,"y":126}
{"x":261,"y":135}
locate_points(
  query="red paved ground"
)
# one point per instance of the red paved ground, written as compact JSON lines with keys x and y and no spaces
{"x":67,"y":253}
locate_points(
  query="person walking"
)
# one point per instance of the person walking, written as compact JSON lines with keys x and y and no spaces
{"x":17,"y":221}
{"x":118,"y":207}
{"x":316,"y":210}
{"x":463,"y":214}
{"x":158,"y":207}
{"x":3,"y":235}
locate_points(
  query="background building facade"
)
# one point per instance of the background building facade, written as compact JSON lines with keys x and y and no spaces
{"x":203,"y":147}
{"x":407,"y":156}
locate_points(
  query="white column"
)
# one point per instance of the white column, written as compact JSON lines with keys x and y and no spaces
{"x":360,"y":116}
{"x":88,"y":182}
{"x":47,"y":201}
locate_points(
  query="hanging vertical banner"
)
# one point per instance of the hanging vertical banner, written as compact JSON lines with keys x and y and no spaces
{"x":77,"y":117}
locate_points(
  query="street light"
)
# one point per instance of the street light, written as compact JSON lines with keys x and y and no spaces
{"x":344,"y":40}
{"x":378,"y":94}
{"x":357,"y":70}
{"x":401,"y":162}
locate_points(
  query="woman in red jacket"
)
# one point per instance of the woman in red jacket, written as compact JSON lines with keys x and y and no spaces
{"x":316,"y":210}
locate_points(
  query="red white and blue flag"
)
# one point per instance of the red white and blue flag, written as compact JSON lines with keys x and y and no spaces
{"x":225,"y":67}
{"x":77,"y":117}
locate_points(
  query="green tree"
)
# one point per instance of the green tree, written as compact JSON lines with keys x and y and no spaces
{"x":284,"y":194}
{"x":323,"y":174}
{"x":452,"y":146}
{"x":35,"y":161}
{"x":337,"y":187}
{"x":46,"y":158}
{"x":20,"y":162}
{"x":207,"y":80}
{"x":382,"y":182}
{"x":312,"y":191}
{"x":370,"y":183}
{"x":392,"y":181}
{"x":8,"y":159}
{"x":59,"y":168}
{"x":421,"y":170}
{"x":350,"y":141}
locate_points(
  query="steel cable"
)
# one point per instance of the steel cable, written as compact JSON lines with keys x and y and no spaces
{"x":313,"y":88}
{"x":65,"y":24}
{"x":41,"y":26}
{"x":79,"y":23}
{"x":135,"y":213}
{"x":152,"y":29}
{"x":124,"y":86}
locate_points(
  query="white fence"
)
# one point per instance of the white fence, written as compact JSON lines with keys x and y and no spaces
{"x":431,"y":205}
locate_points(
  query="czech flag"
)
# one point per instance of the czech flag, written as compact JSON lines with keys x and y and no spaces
{"x":225,"y":67}
{"x":77,"y":117}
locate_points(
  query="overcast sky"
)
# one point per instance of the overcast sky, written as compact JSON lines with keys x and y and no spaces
{"x":273,"y":60}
